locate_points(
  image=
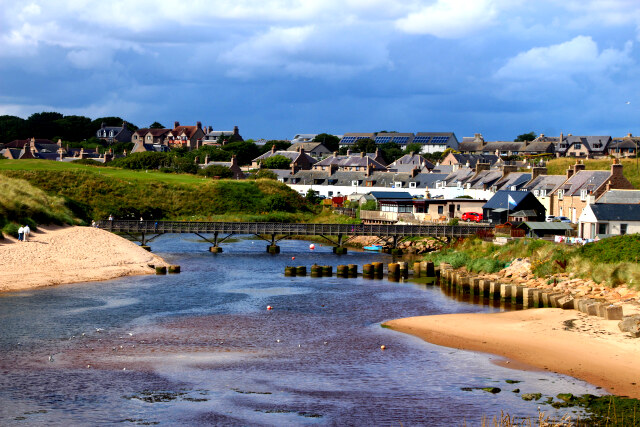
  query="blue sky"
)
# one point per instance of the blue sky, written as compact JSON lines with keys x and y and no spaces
{"x":280,"y":67}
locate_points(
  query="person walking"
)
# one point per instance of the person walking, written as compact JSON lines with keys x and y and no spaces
{"x":20,"y":233}
{"x":27,"y":231}
{"x":110,"y":217}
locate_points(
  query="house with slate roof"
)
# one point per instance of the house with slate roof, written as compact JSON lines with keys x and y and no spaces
{"x":232,"y":165}
{"x":221,"y":137}
{"x":348,"y":139}
{"x":471,"y":144}
{"x":113,"y":134}
{"x":498,"y":208}
{"x":316,"y":150}
{"x":299,"y":159}
{"x":624,"y":147}
{"x":582,"y":146}
{"x":620,"y":197}
{"x":583,"y":187}
{"x":504,"y":148}
{"x":468,"y":160}
{"x":402,"y":139}
{"x":411,"y":161}
{"x":352,"y":162}
{"x":149,"y":137}
{"x":436,"y":142}
{"x":609,"y":219}
{"x":543,"y":185}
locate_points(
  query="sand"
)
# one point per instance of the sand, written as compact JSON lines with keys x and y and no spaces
{"x":564,"y":341}
{"x":59,"y":255}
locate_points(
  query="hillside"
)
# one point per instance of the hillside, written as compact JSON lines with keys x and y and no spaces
{"x":94,"y":193}
{"x":21,"y":203}
{"x":631,"y":171}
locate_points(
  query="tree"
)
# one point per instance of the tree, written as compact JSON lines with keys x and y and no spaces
{"x":216,"y":170}
{"x":276,"y":162}
{"x":364,"y":145}
{"x":332,"y":142}
{"x":414,"y":147}
{"x":75,"y":128}
{"x":156,"y":125}
{"x":265,"y":173}
{"x":244,"y":151}
{"x":390,"y":151}
{"x":111,"y":121}
{"x":526,"y":137}
{"x":279,"y":144}
{"x":12,"y":127}
{"x":312,"y":196}
{"x":43,"y":125}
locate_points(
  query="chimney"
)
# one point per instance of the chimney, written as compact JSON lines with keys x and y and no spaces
{"x":569,"y":172}
{"x":199,"y":125}
{"x":507,"y":169}
{"x":348,"y":152}
{"x":176,"y":124}
{"x":234,"y":161}
{"x":480,"y":166}
{"x":60,"y":153}
{"x":616,"y":169}
{"x":335,"y":154}
{"x":362,"y":154}
{"x":333,"y":168}
{"x":377,"y":152}
{"x":273,"y":148}
{"x":124,"y":124}
{"x":561,"y":137}
{"x":415,"y":171}
{"x":536,"y":171}
{"x":477,"y":137}
{"x":578,"y":167}
{"x":103,"y":125}
{"x":541,"y":136}
{"x":629,"y":135}
{"x":294,"y":168}
{"x":236,"y":131}
{"x":206,"y":159}
{"x":369,"y":170}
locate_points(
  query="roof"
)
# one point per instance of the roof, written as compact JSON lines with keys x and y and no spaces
{"x":308,"y":147}
{"x":398,"y":138}
{"x":539,"y":147}
{"x":616,"y":211}
{"x":459,"y":176}
{"x":549,"y":183}
{"x":412,"y":159}
{"x":485,"y":179}
{"x":504,"y":146}
{"x":291,"y":155}
{"x":620,"y":196}
{"x":435,"y":138}
{"x":473,"y":159}
{"x":388,"y":195}
{"x":189,"y":131}
{"x":19,"y":143}
{"x":470,"y":146}
{"x":525,"y":213}
{"x":584,"y":180}
{"x":593,"y":143}
{"x":499,"y":200}
{"x":514,"y":179}
{"x":555,"y":226}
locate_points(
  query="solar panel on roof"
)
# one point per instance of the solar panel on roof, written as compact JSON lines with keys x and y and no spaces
{"x":401,"y":139}
{"x":421,"y":139}
{"x":383,"y":139}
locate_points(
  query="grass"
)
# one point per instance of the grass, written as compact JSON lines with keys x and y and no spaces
{"x":611,"y":261}
{"x":559,"y":166}
{"x":21,"y":203}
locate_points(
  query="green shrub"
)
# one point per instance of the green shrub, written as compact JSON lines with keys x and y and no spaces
{"x":11,"y":229}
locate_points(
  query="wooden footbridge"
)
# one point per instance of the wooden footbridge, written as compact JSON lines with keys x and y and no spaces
{"x":273,"y":232}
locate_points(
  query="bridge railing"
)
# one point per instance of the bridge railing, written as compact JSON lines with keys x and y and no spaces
{"x":204,"y":227}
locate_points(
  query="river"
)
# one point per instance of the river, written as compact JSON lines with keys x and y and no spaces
{"x":200,"y":348}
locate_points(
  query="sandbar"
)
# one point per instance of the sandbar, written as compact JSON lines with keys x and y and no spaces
{"x":63,"y":255}
{"x":563,"y":341}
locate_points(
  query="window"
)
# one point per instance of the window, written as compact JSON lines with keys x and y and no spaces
{"x":354,"y":183}
{"x":583,"y":195}
{"x":440,"y":210}
{"x":602,"y":228}
{"x":459,"y":184}
{"x":577,"y":146}
{"x":458,"y":208}
{"x":543,"y":193}
{"x":330,"y":193}
{"x":536,"y":193}
{"x":560,"y":195}
{"x":468,"y":185}
{"x":513,"y":188}
{"x":623,"y":229}
{"x":412,"y":185}
{"x":398,"y":184}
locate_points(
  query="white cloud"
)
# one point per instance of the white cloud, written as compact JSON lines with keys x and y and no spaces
{"x":452,"y":18}
{"x":561,"y":61}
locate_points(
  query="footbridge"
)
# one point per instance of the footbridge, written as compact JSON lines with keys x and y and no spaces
{"x":273,"y":232}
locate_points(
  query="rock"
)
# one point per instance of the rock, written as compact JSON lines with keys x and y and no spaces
{"x":613,"y":312}
{"x":631,"y":324}
{"x":531,"y":396}
{"x":565,"y":303}
{"x":493,"y":390}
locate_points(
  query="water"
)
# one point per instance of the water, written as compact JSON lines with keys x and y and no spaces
{"x":200,"y":348}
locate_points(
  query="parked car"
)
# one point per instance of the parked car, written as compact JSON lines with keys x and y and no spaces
{"x":472,"y":216}
{"x":550,"y":218}
{"x":562,"y":219}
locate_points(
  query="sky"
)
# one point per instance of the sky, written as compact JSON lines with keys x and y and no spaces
{"x":277,"y":68}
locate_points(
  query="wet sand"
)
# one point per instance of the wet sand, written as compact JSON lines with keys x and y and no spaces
{"x":563,"y":341}
{"x":61,"y":255}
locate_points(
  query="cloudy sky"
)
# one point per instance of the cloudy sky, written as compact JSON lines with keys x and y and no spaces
{"x":280,"y":67}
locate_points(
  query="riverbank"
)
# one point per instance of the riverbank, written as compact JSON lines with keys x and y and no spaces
{"x":563,"y":341}
{"x":62,"y":255}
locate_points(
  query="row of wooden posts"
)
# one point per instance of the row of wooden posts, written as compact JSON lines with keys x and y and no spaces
{"x":462,"y":283}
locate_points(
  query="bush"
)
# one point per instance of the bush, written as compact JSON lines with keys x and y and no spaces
{"x":90,"y":162}
{"x":276,"y":162}
{"x":11,"y":229}
{"x":216,"y":170}
{"x":266,"y":174}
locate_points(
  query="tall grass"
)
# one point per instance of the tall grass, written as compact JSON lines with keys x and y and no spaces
{"x":22,"y":203}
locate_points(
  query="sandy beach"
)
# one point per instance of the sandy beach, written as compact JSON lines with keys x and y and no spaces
{"x":563,"y":341}
{"x":59,"y":255}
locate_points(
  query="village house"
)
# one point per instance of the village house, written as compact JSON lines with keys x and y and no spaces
{"x":300,"y":160}
{"x":409,"y":162}
{"x":609,"y":219}
{"x":624,"y":147}
{"x":316,"y":150}
{"x":232,"y":165}
{"x":583,"y":187}
{"x":498,"y":209}
{"x":150,"y":136}
{"x":113,"y":134}
{"x":221,"y":137}
{"x":189,"y":137}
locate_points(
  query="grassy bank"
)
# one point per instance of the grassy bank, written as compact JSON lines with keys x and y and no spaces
{"x":631,"y":172}
{"x":21,"y":203}
{"x":94,"y":193}
{"x":612,"y":261}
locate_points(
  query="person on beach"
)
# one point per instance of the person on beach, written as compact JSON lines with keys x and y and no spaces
{"x":27,"y":231}
{"x":110,"y":217}
{"x":93,"y":223}
{"x":20,"y":233}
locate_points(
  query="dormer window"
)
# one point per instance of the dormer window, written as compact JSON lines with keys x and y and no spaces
{"x":412,"y":185}
{"x":543,"y":193}
{"x":583,"y":195}
{"x":459,"y":184}
{"x":536,"y":193}
{"x":560,"y":194}
{"x":397,"y":184}
{"x":468,"y":186}
{"x":354,"y":183}
{"x":513,"y":188}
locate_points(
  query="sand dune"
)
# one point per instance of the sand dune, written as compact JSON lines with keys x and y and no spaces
{"x":58,"y":255}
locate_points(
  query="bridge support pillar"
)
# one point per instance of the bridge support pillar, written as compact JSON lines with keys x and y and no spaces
{"x":215,"y":249}
{"x":146,"y":247}
{"x":339,"y":250}
{"x":273,"y":249}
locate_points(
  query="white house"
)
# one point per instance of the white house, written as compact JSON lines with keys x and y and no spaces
{"x":607,"y":219}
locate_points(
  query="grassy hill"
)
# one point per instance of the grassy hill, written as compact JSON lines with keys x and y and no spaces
{"x":631,"y":171}
{"x":21,"y":203}
{"x":96,"y":192}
